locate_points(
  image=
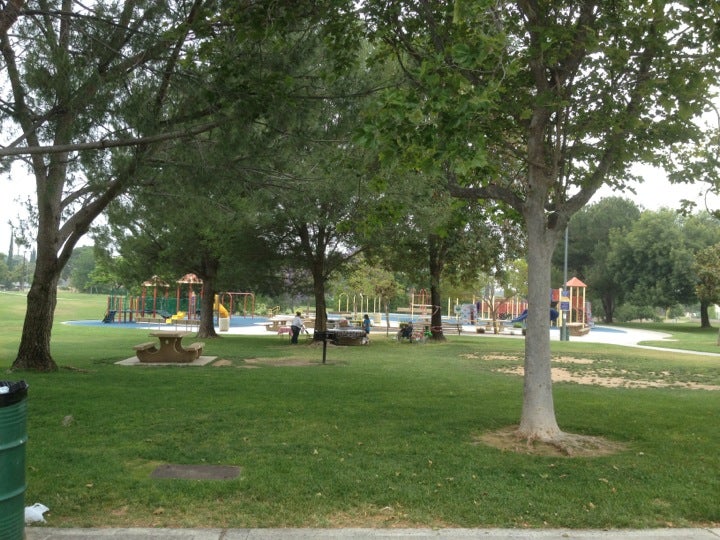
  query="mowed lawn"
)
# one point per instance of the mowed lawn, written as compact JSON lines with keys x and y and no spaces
{"x":380,"y":436}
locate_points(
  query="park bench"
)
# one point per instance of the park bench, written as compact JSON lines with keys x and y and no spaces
{"x":452,"y":327}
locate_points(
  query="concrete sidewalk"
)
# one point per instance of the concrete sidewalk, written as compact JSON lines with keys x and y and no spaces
{"x":42,"y":533}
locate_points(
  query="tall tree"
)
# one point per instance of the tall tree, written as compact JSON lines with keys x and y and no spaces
{"x":701,"y":231}
{"x":652,"y":261}
{"x":707,"y":288}
{"x":537,"y":105}
{"x":194,"y":214}
{"x":439,"y":239}
{"x":588,"y":246}
{"x":129,"y":76}
{"x":316,"y":176}
{"x":77,"y":76}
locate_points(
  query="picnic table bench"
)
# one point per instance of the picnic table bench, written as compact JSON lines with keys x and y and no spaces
{"x":348,"y":336}
{"x":170,"y":350}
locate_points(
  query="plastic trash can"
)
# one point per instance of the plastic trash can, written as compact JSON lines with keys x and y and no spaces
{"x":224,"y":324}
{"x":13,"y":436}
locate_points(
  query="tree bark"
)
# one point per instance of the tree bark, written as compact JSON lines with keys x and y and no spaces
{"x":537,"y":420}
{"x":207,"y":309}
{"x":313,"y":248}
{"x":9,"y":14}
{"x":320,"y":305}
{"x":436,"y":267}
{"x":608,"y":302}
{"x":704,"y":314}
{"x":34,"y":351}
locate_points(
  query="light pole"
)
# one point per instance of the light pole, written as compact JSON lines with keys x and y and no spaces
{"x":564,"y":334}
{"x":24,"y":271}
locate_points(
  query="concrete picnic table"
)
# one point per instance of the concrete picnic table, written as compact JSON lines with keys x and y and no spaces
{"x":170,"y":350}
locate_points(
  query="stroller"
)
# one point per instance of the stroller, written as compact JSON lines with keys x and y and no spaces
{"x":408,"y":332}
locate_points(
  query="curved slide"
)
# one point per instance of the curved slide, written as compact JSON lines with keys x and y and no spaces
{"x":222,"y":311}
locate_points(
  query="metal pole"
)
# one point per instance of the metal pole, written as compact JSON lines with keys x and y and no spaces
{"x":564,"y":334}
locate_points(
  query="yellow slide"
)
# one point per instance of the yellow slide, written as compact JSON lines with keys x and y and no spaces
{"x":175,"y":318}
{"x":222,"y":311}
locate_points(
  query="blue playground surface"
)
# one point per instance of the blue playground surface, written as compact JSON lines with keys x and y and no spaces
{"x":235,"y":321}
{"x":238,"y":321}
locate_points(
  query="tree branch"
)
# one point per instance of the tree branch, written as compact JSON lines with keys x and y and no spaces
{"x":104,"y":144}
{"x":10,"y":14}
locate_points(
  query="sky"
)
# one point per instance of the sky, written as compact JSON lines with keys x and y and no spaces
{"x":657,"y":192}
{"x":654,"y":193}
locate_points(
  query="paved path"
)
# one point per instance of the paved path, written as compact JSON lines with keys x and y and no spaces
{"x":35,"y":533}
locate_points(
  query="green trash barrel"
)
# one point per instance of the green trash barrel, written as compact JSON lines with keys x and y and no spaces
{"x":13,"y":436}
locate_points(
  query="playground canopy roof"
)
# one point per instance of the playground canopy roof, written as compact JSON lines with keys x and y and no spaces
{"x":575,"y":282}
{"x":190,"y":278}
{"x":155,"y":281}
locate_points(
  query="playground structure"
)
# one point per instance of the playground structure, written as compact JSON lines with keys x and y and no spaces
{"x":504,"y":308}
{"x":230,"y":300}
{"x":420,"y":308}
{"x":420,"y":305}
{"x":578,"y":315}
{"x":155,"y":305}
{"x":362,"y":300}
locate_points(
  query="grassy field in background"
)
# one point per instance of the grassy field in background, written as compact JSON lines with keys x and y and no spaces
{"x":380,"y":436}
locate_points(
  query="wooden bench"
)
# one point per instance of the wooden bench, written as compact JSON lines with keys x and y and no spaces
{"x":452,"y":327}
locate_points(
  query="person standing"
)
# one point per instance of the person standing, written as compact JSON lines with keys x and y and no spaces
{"x":366,"y":326}
{"x":296,"y":326}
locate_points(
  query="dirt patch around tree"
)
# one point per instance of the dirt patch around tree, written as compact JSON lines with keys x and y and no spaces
{"x":565,"y":445}
{"x":579,"y":371}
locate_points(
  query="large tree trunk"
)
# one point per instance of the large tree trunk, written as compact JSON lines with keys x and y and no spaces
{"x":537,"y":421}
{"x":208,"y":272}
{"x":435,"y":267}
{"x":608,"y":302}
{"x":207,"y":309}
{"x":34,"y":351}
{"x":320,"y":305}
{"x":704,"y":314}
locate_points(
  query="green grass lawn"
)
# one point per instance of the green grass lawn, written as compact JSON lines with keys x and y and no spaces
{"x":384,"y":435}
